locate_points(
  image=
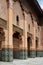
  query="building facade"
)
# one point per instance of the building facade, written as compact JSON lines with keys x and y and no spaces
{"x":20,"y":33}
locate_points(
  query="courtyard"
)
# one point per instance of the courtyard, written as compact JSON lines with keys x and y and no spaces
{"x":29,"y":61}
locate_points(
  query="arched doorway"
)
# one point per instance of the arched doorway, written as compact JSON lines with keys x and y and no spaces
{"x":29,"y":44}
{"x":16,"y":44}
{"x":2,"y":38}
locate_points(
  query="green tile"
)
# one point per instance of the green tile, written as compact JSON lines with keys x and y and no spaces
{"x":6,"y":55}
{"x":19,"y":54}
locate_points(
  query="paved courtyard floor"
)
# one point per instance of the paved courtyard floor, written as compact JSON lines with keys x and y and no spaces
{"x":29,"y":61}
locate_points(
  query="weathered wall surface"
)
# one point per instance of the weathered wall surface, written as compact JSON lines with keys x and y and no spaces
{"x":17,"y":12}
{"x":31,"y":23}
{"x":3,"y":9}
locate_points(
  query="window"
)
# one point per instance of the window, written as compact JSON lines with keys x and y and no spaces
{"x":17,"y":19}
{"x":29,"y":27}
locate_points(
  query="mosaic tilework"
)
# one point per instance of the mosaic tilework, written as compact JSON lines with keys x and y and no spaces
{"x":32,"y":54}
{"x":19,"y":54}
{"x":39,"y":53}
{"x":7,"y":55}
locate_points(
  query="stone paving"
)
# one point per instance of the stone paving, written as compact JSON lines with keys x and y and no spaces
{"x":29,"y":61}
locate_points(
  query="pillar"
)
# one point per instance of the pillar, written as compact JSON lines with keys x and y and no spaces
{"x":25,"y":36}
{"x":10,"y":31}
{"x":7,"y":44}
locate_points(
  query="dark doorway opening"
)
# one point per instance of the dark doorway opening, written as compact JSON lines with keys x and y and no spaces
{"x":36,"y":46}
{"x":29,"y":43}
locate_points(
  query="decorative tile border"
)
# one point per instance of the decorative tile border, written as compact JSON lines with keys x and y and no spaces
{"x":19,"y":54}
{"x":7,"y":55}
{"x":34,"y":53}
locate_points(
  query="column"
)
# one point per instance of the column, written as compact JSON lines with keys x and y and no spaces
{"x":7,"y":46}
{"x":25,"y":36}
{"x":10,"y":31}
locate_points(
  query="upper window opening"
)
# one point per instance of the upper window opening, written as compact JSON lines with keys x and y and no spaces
{"x":29,"y":27}
{"x":17,"y":19}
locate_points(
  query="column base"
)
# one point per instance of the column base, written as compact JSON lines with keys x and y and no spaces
{"x":7,"y":55}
